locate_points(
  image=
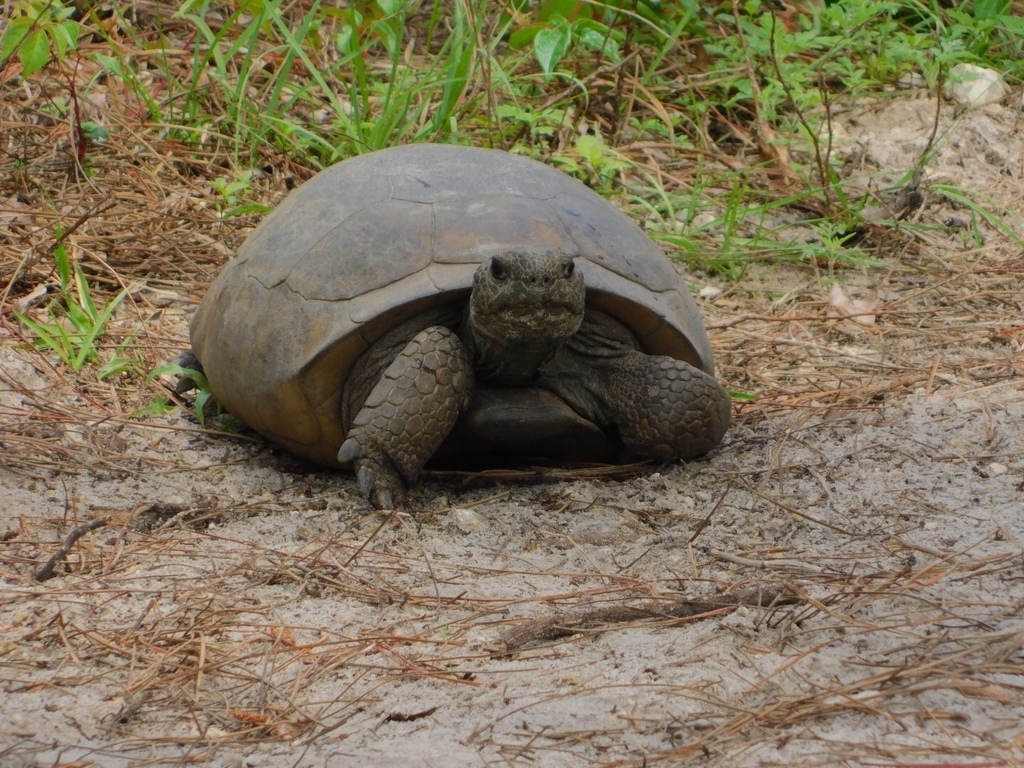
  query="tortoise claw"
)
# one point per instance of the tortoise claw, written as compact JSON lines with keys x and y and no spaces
{"x":383,"y":488}
{"x":350,"y":451}
{"x":378,"y":480}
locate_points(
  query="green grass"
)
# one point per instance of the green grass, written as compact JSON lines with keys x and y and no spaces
{"x":77,"y":322}
{"x":322,"y":83}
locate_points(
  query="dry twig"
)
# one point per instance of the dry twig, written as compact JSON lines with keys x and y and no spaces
{"x":46,"y":571}
{"x":604,"y":619}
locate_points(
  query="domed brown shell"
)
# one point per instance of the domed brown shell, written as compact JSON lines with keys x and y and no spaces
{"x":374,"y":240}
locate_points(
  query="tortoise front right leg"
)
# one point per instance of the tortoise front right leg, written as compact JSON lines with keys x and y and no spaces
{"x":663,"y":408}
{"x":659,"y":407}
{"x":407,"y":415}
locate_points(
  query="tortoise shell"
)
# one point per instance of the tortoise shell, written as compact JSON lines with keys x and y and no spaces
{"x":377,"y":239}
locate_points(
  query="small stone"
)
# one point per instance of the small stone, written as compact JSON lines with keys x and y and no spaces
{"x":710,"y":292}
{"x":161,"y":298}
{"x":702,"y":219}
{"x":912,"y":80}
{"x":974,"y":86}
{"x":466,"y":519}
{"x":995,"y":469}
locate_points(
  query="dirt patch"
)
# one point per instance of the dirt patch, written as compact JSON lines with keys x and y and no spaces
{"x":239,"y":608}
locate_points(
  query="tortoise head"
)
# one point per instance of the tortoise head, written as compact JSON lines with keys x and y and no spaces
{"x":523,"y":309}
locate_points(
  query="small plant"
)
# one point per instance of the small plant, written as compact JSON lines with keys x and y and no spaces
{"x":991,"y":212}
{"x":536,"y":124}
{"x":231,"y":193}
{"x":405,"y":105}
{"x":122,"y":361}
{"x":204,"y":402}
{"x":562,"y":24}
{"x":318,"y":81}
{"x":37,"y":31}
{"x":76,"y":322}
{"x":600,"y":166}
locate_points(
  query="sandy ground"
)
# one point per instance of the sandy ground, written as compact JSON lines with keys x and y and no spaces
{"x":237,"y":608}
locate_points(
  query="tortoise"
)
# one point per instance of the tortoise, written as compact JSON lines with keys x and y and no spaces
{"x":440,"y":300}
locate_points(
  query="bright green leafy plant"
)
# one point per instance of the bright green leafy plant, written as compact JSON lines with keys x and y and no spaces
{"x":76,"y":322}
{"x":232,"y":192}
{"x":204,"y":401}
{"x":562,"y":24}
{"x":37,"y":31}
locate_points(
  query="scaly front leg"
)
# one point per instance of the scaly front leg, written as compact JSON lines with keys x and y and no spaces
{"x":408,"y":414}
{"x":663,"y":408}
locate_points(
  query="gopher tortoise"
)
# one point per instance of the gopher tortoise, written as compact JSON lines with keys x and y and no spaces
{"x":435,"y":299}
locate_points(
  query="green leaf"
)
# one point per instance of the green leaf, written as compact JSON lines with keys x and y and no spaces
{"x":111,"y":64}
{"x":50,"y":335}
{"x":455,"y":63}
{"x":60,"y":42}
{"x":59,"y":13}
{"x":65,"y":37}
{"x":156,"y":407}
{"x":174,"y":370}
{"x":988,"y":10}
{"x":95,"y":132}
{"x":88,"y":342}
{"x":84,"y":297}
{"x":116,"y":366}
{"x":16,"y":31}
{"x":34,"y":52}
{"x":188,"y":7}
{"x":200,"y":406}
{"x":60,"y":258}
{"x":591,"y":149}
{"x":568,"y":164}
{"x":390,"y":36}
{"x":523,"y":36}
{"x":598,"y":40}
{"x":245,"y":209}
{"x":550,"y":45}
{"x":566,"y":9}
{"x":347,"y":40}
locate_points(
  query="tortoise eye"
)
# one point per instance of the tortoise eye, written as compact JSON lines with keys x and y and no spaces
{"x":499,"y":270}
{"x":569,"y":270}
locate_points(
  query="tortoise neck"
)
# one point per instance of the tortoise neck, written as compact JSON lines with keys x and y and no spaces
{"x":504,"y":361}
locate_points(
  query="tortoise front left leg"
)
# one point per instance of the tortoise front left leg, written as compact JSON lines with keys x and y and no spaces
{"x":407,"y":415}
{"x":662,"y":408}
{"x":659,"y":407}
